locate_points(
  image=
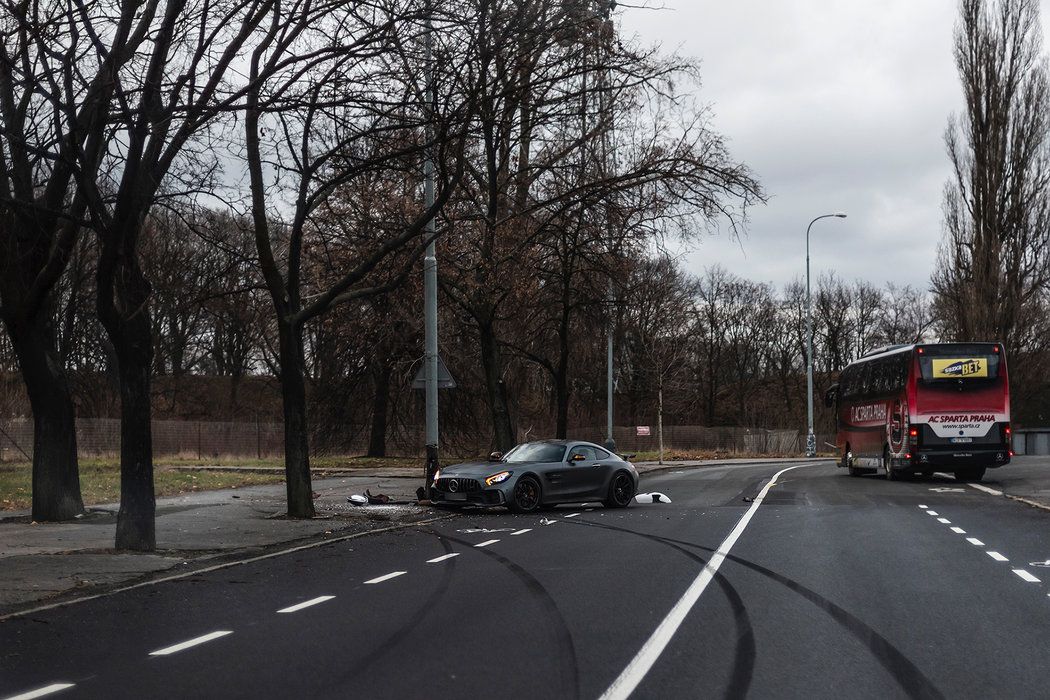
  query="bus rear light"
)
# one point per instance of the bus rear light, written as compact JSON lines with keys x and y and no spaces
{"x":1007,"y":430}
{"x":914,"y":432}
{"x":1011,"y":453}
{"x":907,"y":455}
{"x":919,"y":350}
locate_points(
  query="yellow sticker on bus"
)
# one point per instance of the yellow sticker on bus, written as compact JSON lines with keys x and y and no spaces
{"x":964,"y":367}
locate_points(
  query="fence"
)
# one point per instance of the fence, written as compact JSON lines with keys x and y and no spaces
{"x":215,"y":439}
{"x":191,"y":439}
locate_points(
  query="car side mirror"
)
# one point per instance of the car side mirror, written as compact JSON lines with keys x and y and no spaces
{"x":577,"y":458}
{"x":495,"y":456}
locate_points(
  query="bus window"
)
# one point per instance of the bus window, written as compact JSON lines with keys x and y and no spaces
{"x":959,"y":364}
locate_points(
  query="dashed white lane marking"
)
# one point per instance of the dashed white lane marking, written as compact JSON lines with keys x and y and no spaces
{"x":521,"y":532}
{"x":443,"y":557}
{"x":975,"y":542}
{"x":924,"y":507}
{"x":997,"y":556}
{"x":306,"y":604}
{"x":386,"y":577}
{"x":958,"y":531}
{"x":190,"y":643}
{"x":639,"y":666}
{"x":572,"y":515}
{"x":931,"y":512}
{"x":486,"y":543}
{"x":41,"y":692}
{"x":944,"y":520}
{"x":1026,"y":576}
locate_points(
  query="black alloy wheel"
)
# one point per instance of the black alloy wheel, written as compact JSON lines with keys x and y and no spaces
{"x":526,"y":497}
{"x":621,"y":491}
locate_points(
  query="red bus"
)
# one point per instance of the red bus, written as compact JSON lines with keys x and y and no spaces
{"x":908,"y":409}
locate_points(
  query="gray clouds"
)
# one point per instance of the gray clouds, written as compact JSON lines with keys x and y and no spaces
{"x":837,"y":106}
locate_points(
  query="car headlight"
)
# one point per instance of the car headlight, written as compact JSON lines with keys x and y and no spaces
{"x":437,"y":475}
{"x":497,"y":478}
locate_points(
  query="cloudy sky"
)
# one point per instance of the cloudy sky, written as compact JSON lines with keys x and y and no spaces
{"x":837,"y":106}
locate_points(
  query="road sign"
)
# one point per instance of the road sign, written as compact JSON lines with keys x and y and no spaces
{"x":642,"y":431}
{"x":445,"y":380}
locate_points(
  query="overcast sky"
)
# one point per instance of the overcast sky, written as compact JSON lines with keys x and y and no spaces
{"x":837,"y":106}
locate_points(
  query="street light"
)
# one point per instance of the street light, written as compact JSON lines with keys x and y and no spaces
{"x":811,"y":440}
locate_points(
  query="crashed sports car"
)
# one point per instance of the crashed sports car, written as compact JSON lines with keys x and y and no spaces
{"x":536,"y":474}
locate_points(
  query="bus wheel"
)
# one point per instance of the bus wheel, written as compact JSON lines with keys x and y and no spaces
{"x":970,"y":474}
{"x":891,"y":474}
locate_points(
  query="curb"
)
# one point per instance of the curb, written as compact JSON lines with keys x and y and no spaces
{"x":1028,"y":502}
{"x":723,"y":465}
{"x":310,"y":543}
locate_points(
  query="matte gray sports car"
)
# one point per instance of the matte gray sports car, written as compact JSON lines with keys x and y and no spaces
{"x":536,"y":474}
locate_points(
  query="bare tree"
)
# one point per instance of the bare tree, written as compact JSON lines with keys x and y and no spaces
{"x":994,"y":262}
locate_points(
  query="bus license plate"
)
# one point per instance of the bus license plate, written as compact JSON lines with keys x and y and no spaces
{"x":962,"y":439}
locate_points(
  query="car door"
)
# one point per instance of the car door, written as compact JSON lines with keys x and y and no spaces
{"x":583,"y":474}
{"x":600,"y":473}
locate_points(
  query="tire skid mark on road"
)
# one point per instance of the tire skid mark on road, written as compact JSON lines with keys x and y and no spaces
{"x":390,"y":643}
{"x":745,"y":653}
{"x":570,"y":673}
{"x":903,"y":670}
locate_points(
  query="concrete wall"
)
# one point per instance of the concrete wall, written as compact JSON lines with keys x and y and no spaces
{"x":1032,"y":441}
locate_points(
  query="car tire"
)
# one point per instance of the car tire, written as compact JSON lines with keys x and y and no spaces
{"x":621,"y":491}
{"x":527,"y":496}
{"x":974,"y":474}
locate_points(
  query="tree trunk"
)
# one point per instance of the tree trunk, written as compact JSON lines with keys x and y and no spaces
{"x":503,"y":433}
{"x":136,"y":524}
{"x":56,"y":480}
{"x":296,"y":440}
{"x":380,"y":403}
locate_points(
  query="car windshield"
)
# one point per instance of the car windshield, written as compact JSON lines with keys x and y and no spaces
{"x":536,"y":452}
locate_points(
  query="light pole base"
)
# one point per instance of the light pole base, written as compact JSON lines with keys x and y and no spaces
{"x":610,"y":445}
{"x":811,"y":445}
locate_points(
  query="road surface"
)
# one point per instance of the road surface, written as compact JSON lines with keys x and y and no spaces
{"x":828,"y":587}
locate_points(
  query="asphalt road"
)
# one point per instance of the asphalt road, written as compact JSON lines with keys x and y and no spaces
{"x":831,"y":586}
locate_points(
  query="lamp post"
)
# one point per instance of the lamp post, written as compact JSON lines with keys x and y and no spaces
{"x":811,"y":440}
{"x":430,"y":276}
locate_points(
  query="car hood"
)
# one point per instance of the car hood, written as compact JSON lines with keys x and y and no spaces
{"x":474,"y":470}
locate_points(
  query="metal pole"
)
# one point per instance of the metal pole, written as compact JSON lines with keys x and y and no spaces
{"x":610,"y":442}
{"x":811,"y":440}
{"x":430,"y":278}
{"x":660,"y":418}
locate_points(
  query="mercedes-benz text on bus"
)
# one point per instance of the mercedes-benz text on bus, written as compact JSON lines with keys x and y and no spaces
{"x":909,"y":409}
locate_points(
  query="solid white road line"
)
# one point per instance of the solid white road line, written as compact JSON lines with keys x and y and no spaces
{"x":985,"y":489}
{"x":1026,"y":576}
{"x":41,"y":692}
{"x":975,"y":542}
{"x":190,"y":643}
{"x":958,"y":531}
{"x":931,"y":512}
{"x":997,"y":556}
{"x":944,"y":520}
{"x":486,"y":543}
{"x":306,"y":603}
{"x":521,"y":532}
{"x":635,"y":671}
{"x":386,"y":577}
{"x":572,"y":515}
{"x":435,"y":560}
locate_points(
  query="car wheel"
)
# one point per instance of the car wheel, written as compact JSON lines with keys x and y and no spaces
{"x":970,"y":474}
{"x":621,"y":491}
{"x":526,"y":496}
